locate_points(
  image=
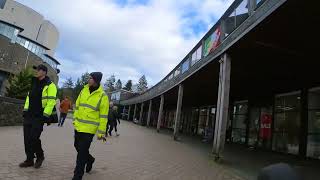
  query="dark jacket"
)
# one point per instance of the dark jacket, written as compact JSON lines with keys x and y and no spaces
{"x":35,"y":111}
{"x":113,"y":116}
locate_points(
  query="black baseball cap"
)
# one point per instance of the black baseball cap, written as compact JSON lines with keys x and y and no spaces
{"x":41,"y":67}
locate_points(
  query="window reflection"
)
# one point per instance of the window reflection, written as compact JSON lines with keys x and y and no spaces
{"x":177,"y":72}
{"x":259,"y":2}
{"x":185,"y":66}
{"x":196,"y":56}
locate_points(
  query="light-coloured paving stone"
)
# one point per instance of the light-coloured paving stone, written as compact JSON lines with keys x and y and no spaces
{"x":138,"y":153}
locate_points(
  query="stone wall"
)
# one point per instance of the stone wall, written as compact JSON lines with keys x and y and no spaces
{"x":10,"y":111}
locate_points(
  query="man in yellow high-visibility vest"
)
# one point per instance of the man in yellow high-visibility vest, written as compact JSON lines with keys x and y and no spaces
{"x":39,"y":108}
{"x":90,"y":118}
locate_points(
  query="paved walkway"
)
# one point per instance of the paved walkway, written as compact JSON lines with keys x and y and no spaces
{"x":138,"y":153}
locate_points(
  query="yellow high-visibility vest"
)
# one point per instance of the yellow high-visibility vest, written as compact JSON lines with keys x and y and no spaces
{"x":91,"y":113}
{"x":49,"y":95}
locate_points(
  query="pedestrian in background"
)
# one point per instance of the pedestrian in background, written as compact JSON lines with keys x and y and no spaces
{"x":39,"y":108}
{"x":112,"y":119}
{"x":90,"y":117}
{"x":58,"y":108}
{"x":65,"y":105}
{"x":115,"y":124}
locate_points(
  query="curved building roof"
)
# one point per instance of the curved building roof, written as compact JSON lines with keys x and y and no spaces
{"x":33,"y":25}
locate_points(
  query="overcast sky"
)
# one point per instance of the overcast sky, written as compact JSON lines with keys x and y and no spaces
{"x":127,"y":38}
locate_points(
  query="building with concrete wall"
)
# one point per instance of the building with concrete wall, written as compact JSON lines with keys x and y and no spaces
{"x":253,"y":79}
{"x":26,"y":39}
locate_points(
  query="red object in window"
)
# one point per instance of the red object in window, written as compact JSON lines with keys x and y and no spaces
{"x":265,"y":126}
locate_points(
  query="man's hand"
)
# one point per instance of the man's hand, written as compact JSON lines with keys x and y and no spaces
{"x":102,"y":137}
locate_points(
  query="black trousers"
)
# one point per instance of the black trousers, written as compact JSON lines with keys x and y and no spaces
{"x":111,"y":126}
{"x":82,"y":142}
{"x":32,"y":142}
{"x":62,"y":118}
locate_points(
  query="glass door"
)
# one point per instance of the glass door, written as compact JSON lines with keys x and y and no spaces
{"x":239,"y":122}
{"x":287,"y":123}
{"x":194,"y":121}
{"x":265,"y":130}
{"x":202,"y":121}
{"x":313,"y":147}
{"x":254,"y":126}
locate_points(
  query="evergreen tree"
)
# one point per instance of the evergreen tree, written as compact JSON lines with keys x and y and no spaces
{"x":118,"y":85}
{"x":81,"y":82}
{"x":128,"y":85}
{"x":20,"y":84}
{"x":68,"y":83}
{"x":143,"y":84}
{"x":109,"y":85}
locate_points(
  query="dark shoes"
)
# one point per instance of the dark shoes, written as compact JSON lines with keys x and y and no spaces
{"x":89,"y":165}
{"x":26,"y":164}
{"x":39,"y":162}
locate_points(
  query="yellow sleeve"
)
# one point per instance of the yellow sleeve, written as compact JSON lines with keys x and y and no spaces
{"x":104,"y":110}
{"x":51,"y":103}
{"x":26,"y":104}
{"x":77,"y":105}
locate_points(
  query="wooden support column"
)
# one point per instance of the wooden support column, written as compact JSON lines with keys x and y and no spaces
{"x":129,"y":113}
{"x":160,"y":112}
{"x":135,"y":112}
{"x":149,"y":113}
{"x":141,"y":113}
{"x":178,"y":112}
{"x":222,"y":105}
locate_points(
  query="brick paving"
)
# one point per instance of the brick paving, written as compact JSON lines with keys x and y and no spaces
{"x":138,"y":153}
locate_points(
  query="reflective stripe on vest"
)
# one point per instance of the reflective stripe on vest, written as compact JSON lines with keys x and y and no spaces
{"x":104,"y":116}
{"x":87,"y":122}
{"x":48,"y":97}
{"x":88,"y":106}
{"x":92,"y":107}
